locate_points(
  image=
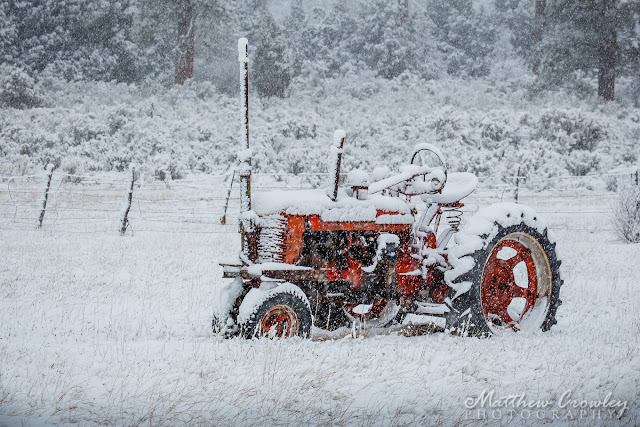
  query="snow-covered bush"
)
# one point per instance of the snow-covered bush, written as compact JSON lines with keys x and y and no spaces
{"x":581,"y":162}
{"x":573,"y":129}
{"x":611,"y":182}
{"x":626,"y":214}
{"x":71,"y":165}
{"x":166,"y":167}
{"x":18,"y":89}
{"x":106,"y":126}
{"x":19,"y":165}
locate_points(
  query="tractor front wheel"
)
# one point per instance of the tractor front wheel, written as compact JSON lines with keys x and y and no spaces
{"x":279,"y":314}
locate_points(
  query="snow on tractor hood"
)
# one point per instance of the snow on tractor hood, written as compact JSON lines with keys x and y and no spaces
{"x":344,"y":209}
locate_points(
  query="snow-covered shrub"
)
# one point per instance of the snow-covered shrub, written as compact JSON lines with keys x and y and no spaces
{"x":19,"y":165}
{"x":611,"y":182}
{"x":572,"y":128}
{"x":365,"y":90}
{"x":626,"y":214}
{"x":18,"y":89}
{"x":299,"y":129}
{"x":167,"y":167}
{"x":581,"y":163}
{"x":72,"y":165}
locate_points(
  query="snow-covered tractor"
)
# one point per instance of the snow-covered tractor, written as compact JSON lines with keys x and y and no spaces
{"x":364,"y":255}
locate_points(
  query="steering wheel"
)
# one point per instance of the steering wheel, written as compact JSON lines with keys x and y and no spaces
{"x":428,"y":155}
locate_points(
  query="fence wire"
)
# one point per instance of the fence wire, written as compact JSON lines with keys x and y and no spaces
{"x":96,"y":204}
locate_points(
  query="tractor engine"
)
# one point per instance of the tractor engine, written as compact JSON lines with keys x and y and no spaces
{"x":358,"y":252}
{"x":327,"y":249}
{"x":350,"y":251}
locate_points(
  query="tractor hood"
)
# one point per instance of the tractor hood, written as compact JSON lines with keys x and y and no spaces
{"x":379,"y":208}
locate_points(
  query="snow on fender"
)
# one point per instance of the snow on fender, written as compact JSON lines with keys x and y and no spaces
{"x":480,"y":230}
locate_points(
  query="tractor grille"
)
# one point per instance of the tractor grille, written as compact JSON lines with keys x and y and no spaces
{"x":272,"y":239}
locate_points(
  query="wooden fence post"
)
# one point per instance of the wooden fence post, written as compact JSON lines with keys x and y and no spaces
{"x":125,"y":219}
{"x":223,"y":221}
{"x":517,"y":184}
{"x":50,"y":169}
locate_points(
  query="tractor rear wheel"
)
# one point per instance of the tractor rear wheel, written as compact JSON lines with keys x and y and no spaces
{"x":514,"y":283}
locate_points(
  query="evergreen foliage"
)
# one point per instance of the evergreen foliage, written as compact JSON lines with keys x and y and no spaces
{"x":75,"y":39}
{"x":268,"y":50}
{"x":135,"y":41}
{"x":18,"y":89}
{"x":626,"y":214}
{"x":578,"y":35}
{"x":466,"y":37}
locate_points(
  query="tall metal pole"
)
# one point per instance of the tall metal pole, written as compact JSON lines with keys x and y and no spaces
{"x":244,"y":155}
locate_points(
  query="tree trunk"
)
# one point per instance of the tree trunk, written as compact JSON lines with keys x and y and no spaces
{"x":186,"y":42}
{"x":404,"y":10}
{"x":607,"y":72}
{"x":539,"y":19}
{"x":537,"y":28}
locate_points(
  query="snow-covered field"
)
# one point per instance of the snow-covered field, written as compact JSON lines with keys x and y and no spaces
{"x":99,"y":328}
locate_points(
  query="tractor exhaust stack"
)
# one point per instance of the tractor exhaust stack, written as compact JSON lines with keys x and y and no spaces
{"x":244,"y":156}
{"x":335,"y":161}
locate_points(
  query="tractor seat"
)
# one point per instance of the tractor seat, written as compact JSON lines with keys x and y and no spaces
{"x":458,"y":186}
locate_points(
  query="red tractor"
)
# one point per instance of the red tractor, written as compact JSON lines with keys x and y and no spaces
{"x":365,"y":255}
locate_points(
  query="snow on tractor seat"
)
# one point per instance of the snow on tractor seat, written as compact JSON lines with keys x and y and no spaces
{"x":379,"y":208}
{"x":459,"y":185}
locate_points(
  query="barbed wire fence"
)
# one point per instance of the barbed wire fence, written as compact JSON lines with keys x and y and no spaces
{"x":127,"y":203}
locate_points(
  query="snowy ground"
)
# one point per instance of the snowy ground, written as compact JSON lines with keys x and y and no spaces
{"x":98,"y":328}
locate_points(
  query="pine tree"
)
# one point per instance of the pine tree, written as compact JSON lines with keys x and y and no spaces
{"x":386,"y":40}
{"x":295,"y":26}
{"x":8,"y":35}
{"x":584,"y":35}
{"x":523,"y":21}
{"x":337,"y":47}
{"x":271,"y":76}
{"x":216,"y":45}
{"x":295,"y":22}
{"x":467,"y":37}
{"x":74,"y":39}
{"x":156,"y":34}
{"x":629,"y":46}
{"x":268,"y":49}
{"x":172,"y":56}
